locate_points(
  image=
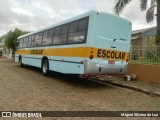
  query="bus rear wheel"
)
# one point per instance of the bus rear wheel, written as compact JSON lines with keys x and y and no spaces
{"x":45,"y":67}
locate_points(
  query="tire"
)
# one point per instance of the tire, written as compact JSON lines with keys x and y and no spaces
{"x":21,"y":64}
{"x":45,"y":67}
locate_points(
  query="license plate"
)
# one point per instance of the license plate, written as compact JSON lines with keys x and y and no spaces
{"x":111,"y":62}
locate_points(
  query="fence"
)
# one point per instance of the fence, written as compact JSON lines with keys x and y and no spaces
{"x":145,"y":54}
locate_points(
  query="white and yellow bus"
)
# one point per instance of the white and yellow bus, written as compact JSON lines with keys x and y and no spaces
{"x":90,"y":43}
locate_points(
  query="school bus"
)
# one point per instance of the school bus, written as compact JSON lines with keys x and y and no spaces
{"x":91,"y":43}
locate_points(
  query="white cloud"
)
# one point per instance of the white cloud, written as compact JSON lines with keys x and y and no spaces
{"x":21,"y":11}
{"x":31,"y":15}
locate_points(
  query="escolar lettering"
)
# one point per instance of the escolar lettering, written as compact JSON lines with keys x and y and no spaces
{"x":36,"y":51}
{"x":110,"y":54}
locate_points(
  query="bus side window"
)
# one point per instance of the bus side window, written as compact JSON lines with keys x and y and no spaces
{"x":40,"y":36}
{"x":72,"y":31}
{"x":63,"y":38}
{"x":77,"y":32}
{"x":64,"y":29}
{"x":79,"y":36}
{"x":82,"y":29}
{"x":73,"y":27}
{"x":21,"y":43}
{"x":57,"y":38}
{"x":64,"y":32}
{"x":50,"y":36}
{"x":24,"y":42}
{"x":71,"y":38}
{"x":32,"y":40}
{"x":47,"y":37}
{"x":38,"y":39}
{"x":29,"y":41}
{"x":18,"y":43}
{"x":57,"y":31}
{"x":82,"y":25}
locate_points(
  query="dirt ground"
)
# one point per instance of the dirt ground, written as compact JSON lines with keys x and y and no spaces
{"x":26,"y":89}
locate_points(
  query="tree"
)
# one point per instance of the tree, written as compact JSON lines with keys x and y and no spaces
{"x":11,"y":38}
{"x":120,"y":4}
{"x":1,"y":38}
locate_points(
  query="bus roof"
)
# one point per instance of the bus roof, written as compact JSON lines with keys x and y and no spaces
{"x":89,"y":13}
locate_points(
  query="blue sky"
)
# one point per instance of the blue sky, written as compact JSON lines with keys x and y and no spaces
{"x":31,"y":15}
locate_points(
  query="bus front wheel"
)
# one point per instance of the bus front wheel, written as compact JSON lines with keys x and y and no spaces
{"x":20,"y":60}
{"x":45,"y":67}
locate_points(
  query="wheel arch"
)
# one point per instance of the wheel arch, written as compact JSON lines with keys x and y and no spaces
{"x":44,"y":58}
{"x":19,"y":58}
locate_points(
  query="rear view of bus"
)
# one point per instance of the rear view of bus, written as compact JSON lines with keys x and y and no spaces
{"x":109,"y":40}
{"x":90,"y":43}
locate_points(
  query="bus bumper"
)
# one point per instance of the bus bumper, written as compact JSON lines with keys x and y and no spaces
{"x":94,"y":68}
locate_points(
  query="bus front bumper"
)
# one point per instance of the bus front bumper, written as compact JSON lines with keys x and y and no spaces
{"x":94,"y":68}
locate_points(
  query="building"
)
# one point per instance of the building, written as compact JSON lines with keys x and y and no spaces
{"x":143,"y":37}
{"x":2,"y":46}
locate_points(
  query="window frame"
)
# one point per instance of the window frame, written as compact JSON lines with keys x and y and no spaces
{"x":25,"y":42}
{"x":86,"y":31}
{"x":29,"y":41}
{"x":38,"y":39}
{"x":66,"y":43}
{"x":20,"y":42}
{"x":48,"y":36}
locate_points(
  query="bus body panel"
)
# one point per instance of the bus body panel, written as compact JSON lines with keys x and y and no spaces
{"x":112,"y":34}
{"x":108,"y":38}
{"x":59,"y":64}
{"x":66,"y":67}
{"x":92,"y":67}
{"x":107,"y":30}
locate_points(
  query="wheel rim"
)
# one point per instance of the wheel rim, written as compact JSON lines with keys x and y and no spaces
{"x":45,"y":67}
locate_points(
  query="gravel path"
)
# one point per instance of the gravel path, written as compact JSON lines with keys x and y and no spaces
{"x":26,"y":89}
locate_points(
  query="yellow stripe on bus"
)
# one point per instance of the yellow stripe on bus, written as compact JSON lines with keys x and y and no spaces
{"x":78,"y":52}
{"x":70,"y":52}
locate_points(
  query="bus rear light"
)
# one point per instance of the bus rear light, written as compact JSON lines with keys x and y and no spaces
{"x":91,"y":57}
{"x":127,"y":60}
